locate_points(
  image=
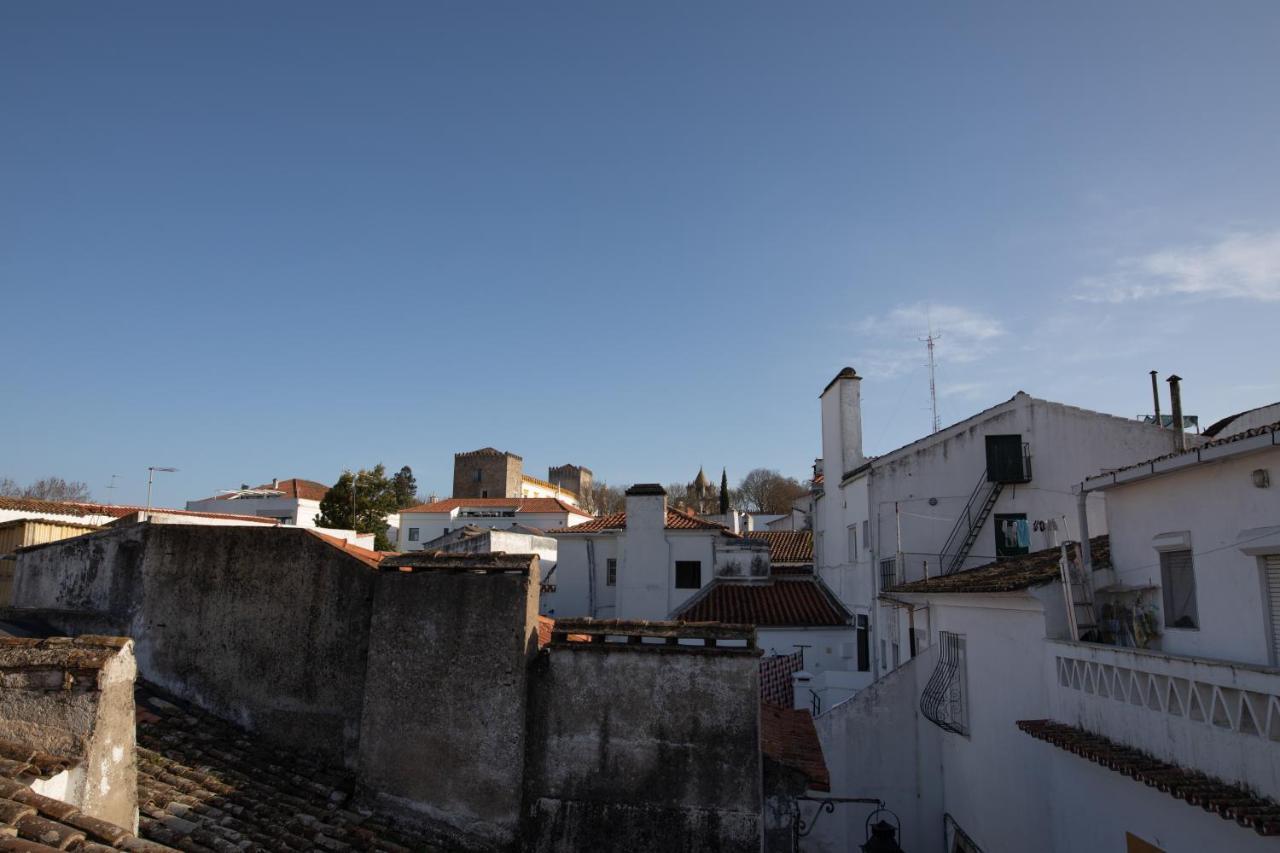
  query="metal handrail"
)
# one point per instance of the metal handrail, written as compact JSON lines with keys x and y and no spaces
{"x":965,"y":521}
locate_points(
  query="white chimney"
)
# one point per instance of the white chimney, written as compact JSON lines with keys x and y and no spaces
{"x":644,"y":558}
{"x":842,"y":425}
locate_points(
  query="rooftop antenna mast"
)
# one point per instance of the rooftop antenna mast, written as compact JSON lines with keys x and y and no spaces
{"x":933,"y":385}
{"x":112,"y":485}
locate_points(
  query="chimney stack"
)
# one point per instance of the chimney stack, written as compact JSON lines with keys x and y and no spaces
{"x":842,"y":424}
{"x":644,"y":558}
{"x":1155,"y":396}
{"x":1175,"y":401}
{"x":275,"y":482}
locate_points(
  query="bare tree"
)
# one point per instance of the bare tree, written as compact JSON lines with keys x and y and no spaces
{"x":765,"y":490}
{"x":602,"y":498}
{"x":46,"y":489}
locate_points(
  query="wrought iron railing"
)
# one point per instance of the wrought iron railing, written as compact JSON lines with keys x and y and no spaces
{"x":943,"y":701}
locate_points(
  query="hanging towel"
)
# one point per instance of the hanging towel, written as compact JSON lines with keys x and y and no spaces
{"x":1024,"y":533}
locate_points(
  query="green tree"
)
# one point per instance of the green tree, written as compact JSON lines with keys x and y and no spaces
{"x":361,"y":503}
{"x":405,"y":488}
{"x":724,"y":491}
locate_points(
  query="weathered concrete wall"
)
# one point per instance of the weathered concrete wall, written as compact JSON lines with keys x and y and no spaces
{"x":74,"y":699}
{"x":263,"y":626}
{"x":443,"y":733}
{"x":644,"y":748}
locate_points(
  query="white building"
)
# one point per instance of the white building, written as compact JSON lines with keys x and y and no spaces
{"x":472,"y":539}
{"x":1008,"y":733}
{"x":422,"y":523}
{"x":645,"y":562}
{"x":293,"y":501}
{"x":993,"y":486}
{"x":81,"y":512}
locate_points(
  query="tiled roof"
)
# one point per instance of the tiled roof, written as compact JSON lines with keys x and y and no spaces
{"x":294,"y":488}
{"x":205,"y":784}
{"x":34,"y":823}
{"x":1198,"y":789}
{"x":1229,"y":439}
{"x":788,"y":737}
{"x":487,"y":451}
{"x":1010,"y":574}
{"x":82,"y":508}
{"x":786,"y":546}
{"x":365,"y":555}
{"x":518,"y":504}
{"x":676,"y":520}
{"x":803,"y":602}
{"x":1217,"y":427}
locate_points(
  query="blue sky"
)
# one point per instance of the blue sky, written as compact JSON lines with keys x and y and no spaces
{"x":254,"y":240}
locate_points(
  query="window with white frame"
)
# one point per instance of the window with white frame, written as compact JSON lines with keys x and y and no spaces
{"x":853,"y":543}
{"x":1178,"y":584}
{"x":611,"y":572}
{"x":413,"y":534}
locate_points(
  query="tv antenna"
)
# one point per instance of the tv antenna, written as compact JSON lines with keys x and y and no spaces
{"x":929,"y":341}
{"x":112,"y":484}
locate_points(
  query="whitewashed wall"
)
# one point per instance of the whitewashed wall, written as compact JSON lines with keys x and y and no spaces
{"x":1217,"y":504}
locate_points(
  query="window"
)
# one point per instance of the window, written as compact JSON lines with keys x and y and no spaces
{"x":864,"y":643}
{"x":888,"y":573}
{"x":866,"y":533}
{"x":688,"y":574}
{"x":413,"y":534}
{"x":611,"y":572}
{"x":484,"y":493}
{"x":853,"y":543}
{"x":1013,"y":535}
{"x":479,"y":475}
{"x":944,"y":699}
{"x":1178,"y":580}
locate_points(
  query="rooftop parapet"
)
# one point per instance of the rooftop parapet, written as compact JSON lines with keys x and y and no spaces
{"x":442,"y":561}
{"x":683,"y":637}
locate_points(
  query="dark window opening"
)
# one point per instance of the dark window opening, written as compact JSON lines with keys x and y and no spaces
{"x":688,"y":574}
{"x":1007,"y":459}
{"x":1013,"y":535}
{"x":611,"y":573}
{"x":1178,"y":579}
{"x":413,"y":534}
{"x":864,"y":644}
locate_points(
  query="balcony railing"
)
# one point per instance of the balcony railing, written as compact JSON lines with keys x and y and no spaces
{"x":1217,"y":717}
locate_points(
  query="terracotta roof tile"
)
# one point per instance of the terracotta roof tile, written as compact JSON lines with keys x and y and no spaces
{"x":305,"y":489}
{"x":803,"y":602}
{"x":1198,"y":789}
{"x":1008,"y":575}
{"x":676,"y":520}
{"x":786,"y":546}
{"x":549,"y":505}
{"x":1229,"y":439}
{"x":33,"y":822}
{"x":227,"y":788}
{"x":365,"y":555}
{"x":788,"y":737}
{"x":82,"y":508}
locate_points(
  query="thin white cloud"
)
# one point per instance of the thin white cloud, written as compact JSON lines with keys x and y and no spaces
{"x":1244,"y":265}
{"x":963,"y":336}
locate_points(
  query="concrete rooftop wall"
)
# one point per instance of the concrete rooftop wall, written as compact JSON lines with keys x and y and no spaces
{"x":633,"y":747}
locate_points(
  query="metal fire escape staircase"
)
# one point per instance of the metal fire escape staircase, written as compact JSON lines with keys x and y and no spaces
{"x":969,"y":524}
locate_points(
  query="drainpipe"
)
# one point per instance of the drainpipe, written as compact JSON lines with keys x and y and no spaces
{"x":1175,"y":400}
{"x":1155,"y":395}
{"x":1086,"y":552}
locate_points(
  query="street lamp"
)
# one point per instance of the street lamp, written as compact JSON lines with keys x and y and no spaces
{"x":151,"y":474}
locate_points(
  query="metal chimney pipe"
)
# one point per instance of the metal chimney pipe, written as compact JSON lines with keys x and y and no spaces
{"x":1175,"y":400}
{"x":1155,"y":395}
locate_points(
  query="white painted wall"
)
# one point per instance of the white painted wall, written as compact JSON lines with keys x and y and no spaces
{"x":433,"y":524}
{"x":301,"y":512}
{"x":1218,"y":505}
